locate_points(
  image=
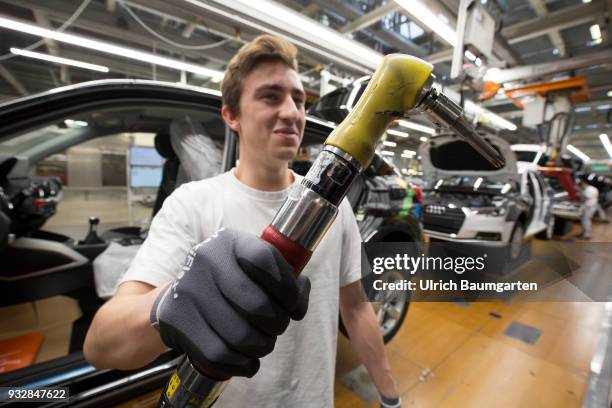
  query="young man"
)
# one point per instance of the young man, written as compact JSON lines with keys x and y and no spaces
{"x":230,"y":304}
{"x":590,"y":196}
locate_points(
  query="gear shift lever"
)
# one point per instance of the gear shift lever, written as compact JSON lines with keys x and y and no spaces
{"x":92,"y":237}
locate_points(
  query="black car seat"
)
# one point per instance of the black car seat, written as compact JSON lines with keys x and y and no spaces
{"x":166,"y":187}
{"x":190,"y":153}
{"x":169,"y":171}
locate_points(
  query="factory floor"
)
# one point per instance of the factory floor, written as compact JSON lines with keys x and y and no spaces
{"x":461,"y":355}
{"x":445,"y":354}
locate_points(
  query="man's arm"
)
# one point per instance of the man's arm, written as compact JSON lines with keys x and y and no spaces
{"x":121,"y":335}
{"x":362,"y":327}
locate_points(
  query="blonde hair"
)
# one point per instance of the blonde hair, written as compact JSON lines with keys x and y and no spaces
{"x":263,"y":48}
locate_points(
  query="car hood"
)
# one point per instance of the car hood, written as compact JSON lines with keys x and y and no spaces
{"x":449,"y":155}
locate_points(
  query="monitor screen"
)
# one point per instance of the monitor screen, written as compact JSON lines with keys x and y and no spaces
{"x":145,"y":156}
{"x":145,"y":177}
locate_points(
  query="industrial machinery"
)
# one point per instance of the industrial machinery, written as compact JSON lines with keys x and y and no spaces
{"x":401,"y":84}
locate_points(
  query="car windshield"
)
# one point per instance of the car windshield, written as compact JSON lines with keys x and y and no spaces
{"x":21,"y":144}
{"x":525,"y":156}
{"x":473,"y":184}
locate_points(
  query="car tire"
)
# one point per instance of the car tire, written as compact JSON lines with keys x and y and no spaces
{"x":563,"y":226}
{"x":549,"y":232}
{"x":515,"y":244}
{"x":390,"y":307}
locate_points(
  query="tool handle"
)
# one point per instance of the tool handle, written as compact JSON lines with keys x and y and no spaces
{"x":295,"y":254}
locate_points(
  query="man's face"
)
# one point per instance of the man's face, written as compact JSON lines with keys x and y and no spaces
{"x":271,"y":119}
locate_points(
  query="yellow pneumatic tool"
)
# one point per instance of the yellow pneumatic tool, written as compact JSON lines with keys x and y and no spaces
{"x":401,"y":84}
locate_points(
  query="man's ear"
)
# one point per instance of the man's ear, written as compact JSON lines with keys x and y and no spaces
{"x":230,"y":118}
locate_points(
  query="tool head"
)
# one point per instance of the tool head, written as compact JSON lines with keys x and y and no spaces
{"x":401,"y":84}
{"x":444,"y":112}
{"x":395,"y":89}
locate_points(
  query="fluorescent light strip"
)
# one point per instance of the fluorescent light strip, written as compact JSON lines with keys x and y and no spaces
{"x":469,"y":55}
{"x":75,"y":123}
{"x":397,"y":133}
{"x":425,"y":17}
{"x":578,"y":153}
{"x":388,"y":143}
{"x":306,"y":33}
{"x":108,"y":48}
{"x":59,"y":60}
{"x":605,"y":140}
{"x":417,"y":127}
{"x":595,"y":32}
{"x":387,"y":153}
{"x":283,"y":19}
{"x":423,"y":139}
{"x":489,"y":116}
{"x":411,"y":152}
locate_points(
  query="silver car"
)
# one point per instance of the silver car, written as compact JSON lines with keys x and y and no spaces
{"x":467,"y":200}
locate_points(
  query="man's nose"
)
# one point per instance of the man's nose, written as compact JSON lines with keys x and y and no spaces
{"x":289,"y":110}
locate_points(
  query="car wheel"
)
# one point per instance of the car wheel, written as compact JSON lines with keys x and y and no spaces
{"x":390,"y":307}
{"x":549,"y":232}
{"x":516,"y":242}
{"x":562,"y":226}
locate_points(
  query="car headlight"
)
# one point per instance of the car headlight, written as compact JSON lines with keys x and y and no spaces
{"x":499,"y":211}
{"x":490,"y":211}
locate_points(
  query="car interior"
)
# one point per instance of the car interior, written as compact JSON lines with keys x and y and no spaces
{"x":41,"y":264}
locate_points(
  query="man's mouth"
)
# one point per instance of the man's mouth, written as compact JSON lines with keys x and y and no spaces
{"x":287,"y":132}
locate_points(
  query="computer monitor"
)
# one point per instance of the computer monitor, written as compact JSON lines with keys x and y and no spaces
{"x":145,"y":156}
{"x":145,"y":176}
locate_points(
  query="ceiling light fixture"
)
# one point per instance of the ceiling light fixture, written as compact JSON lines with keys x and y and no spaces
{"x":578,"y":153}
{"x":428,"y":19}
{"x":397,"y":133}
{"x":109,"y":48}
{"x":59,"y":60}
{"x":416,"y":126}
{"x":276,"y":19}
{"x":489,"y":116}
{"x":390,"y":144}
{"x":75,"y":123}
{"x":605,"y":140}
{"x":469,"y":55}
{"x":387,"y":153}
{"x":273,"y":18}
{"x":595,"y":33}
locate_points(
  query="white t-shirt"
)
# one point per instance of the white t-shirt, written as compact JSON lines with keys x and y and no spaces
{"x":591,"y":196}
{"x":300,"y":370}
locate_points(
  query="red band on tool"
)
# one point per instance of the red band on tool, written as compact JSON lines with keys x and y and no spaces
{"x":211,"y":373}
{"x":295,"y":254}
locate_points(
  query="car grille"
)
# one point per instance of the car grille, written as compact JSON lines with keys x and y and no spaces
{"x":443,"y":219}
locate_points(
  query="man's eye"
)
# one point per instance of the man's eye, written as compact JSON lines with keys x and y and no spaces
{"x":271,"y":97}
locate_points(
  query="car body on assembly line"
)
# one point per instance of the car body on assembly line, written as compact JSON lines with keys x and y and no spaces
{"x":467,"y":200}
{"x":567,"y":204}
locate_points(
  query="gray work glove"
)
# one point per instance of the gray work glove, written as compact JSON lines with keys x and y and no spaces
{"x":233,"y":297}
{"x":390,"y":402}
